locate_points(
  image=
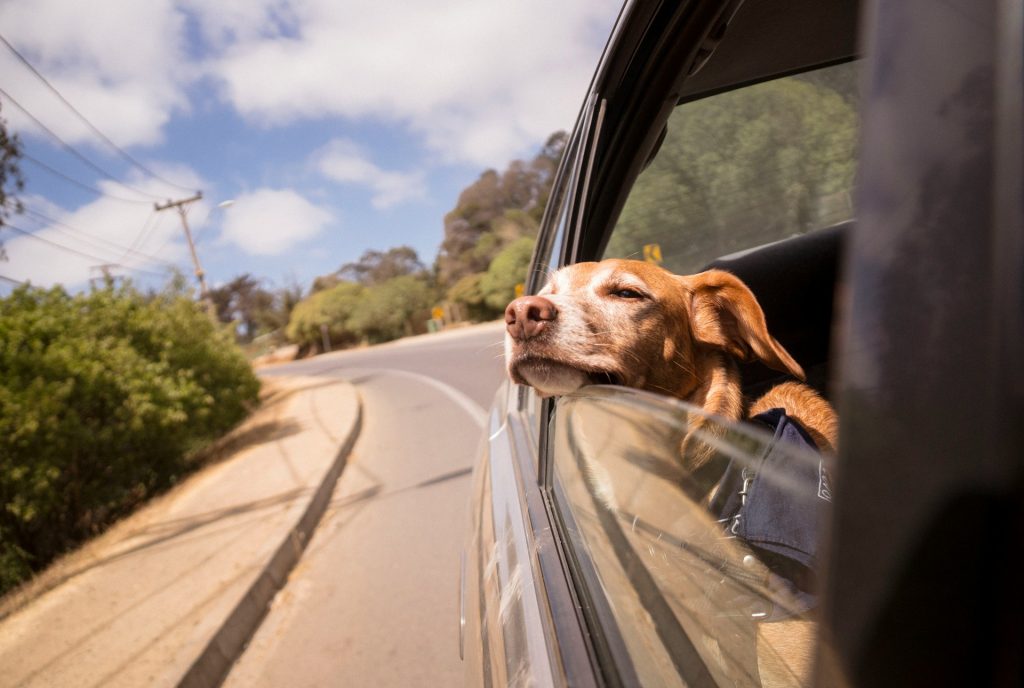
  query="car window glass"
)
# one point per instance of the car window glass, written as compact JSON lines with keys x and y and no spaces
{"x":549,"y":256}
{"x":712,"y":582}
{"x":745,"y":168}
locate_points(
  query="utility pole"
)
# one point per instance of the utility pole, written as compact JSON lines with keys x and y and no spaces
{"x":204,"y":293}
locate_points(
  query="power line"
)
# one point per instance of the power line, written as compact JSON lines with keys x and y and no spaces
{"x":71,"y":180}
{"x":124,"y":154}
{"x":5,"y":278}
{"x":71,"y":149}
{"x":83,"y":254}
{"x":141,"y":235}
{"x":89,"y":238}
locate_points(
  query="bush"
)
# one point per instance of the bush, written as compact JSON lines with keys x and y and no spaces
{"x":394,"y":308}
{"x":103,"y":396}
{"x":332,"y":307}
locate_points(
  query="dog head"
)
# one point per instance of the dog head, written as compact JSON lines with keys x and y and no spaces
{"x":635,"y":324}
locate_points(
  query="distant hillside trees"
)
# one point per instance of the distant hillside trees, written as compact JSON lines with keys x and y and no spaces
{"x":493,"y":214}
{"x":382,"y":296}
{"x":488,"y":241}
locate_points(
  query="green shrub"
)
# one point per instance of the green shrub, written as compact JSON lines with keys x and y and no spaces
{"x":332,"y":307}
{"x":103,"y":395}
{"x":509,"y":268}
{"x":394,"y":308}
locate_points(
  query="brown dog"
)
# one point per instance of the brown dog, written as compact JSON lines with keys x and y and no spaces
{"x":634,"y":324}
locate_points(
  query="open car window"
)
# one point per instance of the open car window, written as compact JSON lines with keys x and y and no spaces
{"x":716,"y":582}
{"x":745,"y":168}
{"x":691,"y":585}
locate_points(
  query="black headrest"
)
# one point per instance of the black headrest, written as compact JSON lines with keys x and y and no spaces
{"x":794,"y":281}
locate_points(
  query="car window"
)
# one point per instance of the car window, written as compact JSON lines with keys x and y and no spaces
{"x":549,"y":256}
{"x":680,"y":588}
{"x":745,"y":168}
{"x":694,"y":584}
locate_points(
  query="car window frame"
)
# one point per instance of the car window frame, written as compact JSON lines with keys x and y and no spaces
{"x":561,"y":221}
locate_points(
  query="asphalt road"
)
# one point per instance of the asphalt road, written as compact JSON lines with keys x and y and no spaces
{"x":374,"y":599}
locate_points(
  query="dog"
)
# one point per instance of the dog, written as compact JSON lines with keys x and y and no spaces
{"x":635,"y":324}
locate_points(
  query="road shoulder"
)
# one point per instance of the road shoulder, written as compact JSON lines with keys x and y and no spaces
{"x":174,"y":591}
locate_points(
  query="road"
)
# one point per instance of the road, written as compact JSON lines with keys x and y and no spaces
{"x":374,"y":599}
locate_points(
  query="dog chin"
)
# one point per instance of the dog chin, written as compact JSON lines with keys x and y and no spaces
{"x":552,"y":379}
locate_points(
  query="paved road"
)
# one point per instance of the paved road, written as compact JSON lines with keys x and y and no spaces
{"x":374,"y":599}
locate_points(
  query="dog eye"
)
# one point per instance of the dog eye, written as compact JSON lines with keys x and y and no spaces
{"x":627,"y":294}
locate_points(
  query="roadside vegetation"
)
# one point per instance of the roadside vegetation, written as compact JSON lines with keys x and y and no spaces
{"x":105,"y":399}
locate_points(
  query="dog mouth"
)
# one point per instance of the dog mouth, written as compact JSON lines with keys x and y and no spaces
{"x":552,"y":377}
{"x":604,"y":377}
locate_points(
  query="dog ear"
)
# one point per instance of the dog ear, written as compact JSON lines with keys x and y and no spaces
{"x":726,"y":316}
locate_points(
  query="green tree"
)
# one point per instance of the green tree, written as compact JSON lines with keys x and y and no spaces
{"x":741,"y":169}
{"x":395,"y":308}
{"x":245,"y":302}
{"x":467,"y":295}
{"x":494,"y":211}
{"x":11,"y":181}
{"x":333,"y":308}
{"x":508,"y":269}
{"x":375,"y":267}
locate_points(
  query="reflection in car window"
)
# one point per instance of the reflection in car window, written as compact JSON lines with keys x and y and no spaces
{"x":745,"y":168}
{"x":699,"y":595}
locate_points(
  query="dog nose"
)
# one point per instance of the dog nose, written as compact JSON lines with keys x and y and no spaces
{"x":527,"y":316}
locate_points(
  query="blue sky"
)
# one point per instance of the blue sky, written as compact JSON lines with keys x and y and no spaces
{"x":334,"y":126}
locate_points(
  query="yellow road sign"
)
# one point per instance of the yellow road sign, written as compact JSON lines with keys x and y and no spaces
{"x":520,"y":289}
{"x":652,"y":253}
{"x":437,"y":313}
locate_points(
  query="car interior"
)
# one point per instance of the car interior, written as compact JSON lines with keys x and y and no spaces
{"x":794,"y":281}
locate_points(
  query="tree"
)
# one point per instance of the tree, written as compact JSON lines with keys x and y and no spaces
{"x":494,"y":211}
{"x":11,"y":181}
{"x":468,"y":296}
{"x":393,"y":309}
{"x":104,"y":398}
{"x":376,"y":267}
{"x":509,"y":268}
{"x":237,"y":301}
{"x":332,"y":308}
{"x":742,"y":169}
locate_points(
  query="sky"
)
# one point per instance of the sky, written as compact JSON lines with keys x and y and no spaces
{"x":315,"y":129}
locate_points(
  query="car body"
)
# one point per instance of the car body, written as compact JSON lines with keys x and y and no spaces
{"x":883,"y":233}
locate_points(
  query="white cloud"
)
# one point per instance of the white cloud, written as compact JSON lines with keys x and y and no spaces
{"x":122,"y":63}
{"x":268,"y":222}
{"x":479,"y":81}
{"x":344,"y":161}
{"x":133,"y":238}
